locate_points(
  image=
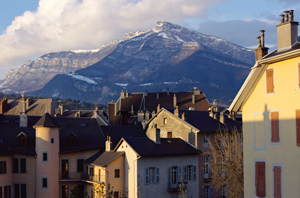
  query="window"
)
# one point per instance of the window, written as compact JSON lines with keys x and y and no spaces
{"x":190,"y":173}
{"x":174,"y":175}
{"x":7,"y":192}
{"x":45,"y":156}
{"x":65,"y":191}
{"x":260,"y":179}
{"x":169,"y":134}
{"x":52,"y":140}
{"x":117,"y":173}
{"x":165,"y":120}
{"x":71,"y":142}
{"x":44,"y":183}
{"x":298,"y":127}
{"x":277,"y":181}
{"x":19,"y":165}
{"x":152,"y":175}
{"x":2,"y":167}
{"x":20,"y":191}
{"x":80,"y":190}
{"x":80,"y":165}
{"x":116,"y":194}
{"x":22,"y":141}
{"x":206,"y":169}
{"x":275,"y":137}
{"x":224,"y":191}
{"x":205,"y":140}
{"x":270,"y":80}
{"x":91,"y":170}
{"x":207,"y":192}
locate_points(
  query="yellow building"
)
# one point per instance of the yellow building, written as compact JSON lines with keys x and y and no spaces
{"x":269,"y":101}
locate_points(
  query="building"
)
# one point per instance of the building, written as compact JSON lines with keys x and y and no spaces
{"x":195,"y":127}
{"x":48,"y":156}
{"x":268,"y":100}
{"x":134,"y":108}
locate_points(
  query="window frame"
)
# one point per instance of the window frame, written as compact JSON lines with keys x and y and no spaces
{"x":116,"y":191}
{"x":7,"y":191}
{"x":47,"y":157}
{"x":83,"y":171}
{"x":206,"y":137}
{"x":42,"y":183}
{"x":152,"y":178}
{"x":19,"y":165}
{"x":61,"y":191}
{"x":118,"y":173}
{"x":273,"y":178}
{"x":209,"y":191}
{"x":3,"y":167}
{"x":20,"y":190}
{"x":206,"y":166}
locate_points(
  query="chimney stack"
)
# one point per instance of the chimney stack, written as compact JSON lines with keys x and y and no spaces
{"x":196,"y":91}
{"x":155,"y":134}
{"x":3,"y":105}
{"x":168,"y":91}
{"x":158,"y":107}
{"x":174,"y":101}
{"x":193,"y":98}
{"x":122,"y":94}
{"x":287,"y":31}
{"x":108,"y":144}
{"x":23,"y":106}
{"x":157,"y":95}
{"x":222,"y":119}
{"x":261,"y":51}
{"x":183,"y":116}
{"x":176,"y":111}
{"x":126,"y":94}
{"x":146,"y":93}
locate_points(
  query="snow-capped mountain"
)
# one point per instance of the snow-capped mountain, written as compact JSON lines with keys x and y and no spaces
{"x":166,"y":56}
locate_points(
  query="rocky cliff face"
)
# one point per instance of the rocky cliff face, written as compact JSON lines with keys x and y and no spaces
{"x":166,"y":56}
{"x":33,"y":75}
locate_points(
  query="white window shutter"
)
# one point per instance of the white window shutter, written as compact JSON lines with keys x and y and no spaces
{"x":146,"y":175}
{"x":194,"y":173}
{"x":184,"y":173}
{"x":157,"y":175}
{"x":180,"y":179}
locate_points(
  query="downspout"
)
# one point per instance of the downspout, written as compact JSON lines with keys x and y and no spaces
{"x":135,"y":171}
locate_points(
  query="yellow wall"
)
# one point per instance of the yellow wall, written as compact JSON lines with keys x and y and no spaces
{"x":257,"y":138}
{"x":117,"y":184}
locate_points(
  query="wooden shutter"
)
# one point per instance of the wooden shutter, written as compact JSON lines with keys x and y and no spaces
{"x":194,"y":173}
{"x":277,"y":181}
{"x":298,"y":126}
{"x":202,"y":192}
{"x":260,"y":179}
{"x":146,"y":175}
{"x":275,"y":126}
{"x":270,"y":81}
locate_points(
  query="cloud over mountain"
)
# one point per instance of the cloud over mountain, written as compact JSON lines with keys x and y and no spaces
{"x":85,"y":24}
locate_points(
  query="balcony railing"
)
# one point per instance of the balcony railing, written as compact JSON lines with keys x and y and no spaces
{"x":78,"y":176}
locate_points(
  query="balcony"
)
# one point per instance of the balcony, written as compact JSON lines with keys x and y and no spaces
{"x":175,"y":187}
{"x":74,"y":176}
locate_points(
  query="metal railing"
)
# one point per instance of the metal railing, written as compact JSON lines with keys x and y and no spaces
{"x":79,"y":176}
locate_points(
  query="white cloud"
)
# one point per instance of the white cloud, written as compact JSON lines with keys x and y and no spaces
{"x":59,"y":25}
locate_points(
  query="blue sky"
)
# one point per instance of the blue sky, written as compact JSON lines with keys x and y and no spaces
{"x":31,"y":28}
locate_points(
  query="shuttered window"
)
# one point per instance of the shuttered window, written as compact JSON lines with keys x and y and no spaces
{"x":260,"y":179}
{"x":275,"y":126}
{"x":298,"y":126}
{"x":277,"y":181}
{"x":270,"y":80}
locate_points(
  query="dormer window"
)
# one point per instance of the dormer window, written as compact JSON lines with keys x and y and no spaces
{"x":22,"y":140}
{"x":71,"y":140}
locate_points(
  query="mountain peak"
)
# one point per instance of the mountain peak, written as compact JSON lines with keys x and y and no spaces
{"x":164,"y":25}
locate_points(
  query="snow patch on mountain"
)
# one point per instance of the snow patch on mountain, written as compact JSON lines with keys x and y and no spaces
{"x":85,"y":51}
{"x":122,"y":84}
{"x":82,"y":78}
{"x":146,"y":84}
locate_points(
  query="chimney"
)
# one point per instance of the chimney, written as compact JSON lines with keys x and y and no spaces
{"x":176,"y":111}
{"x":146,"y":93}
{"x":153,"y":114}
{"x":78,"y":114}
{"x":183,"y":116}
{"x":168,"y":91}
{"x":28,"y":103}
{"x":23,"y":120}
{"x":61,"y":109}
{"x":196,"y":91}
{"x":160,"y":90}
{"x":215,"y":105}
{"x":126,"y":94}
{"x":140,"y":116}
{"x":155,"y":134}
{"x":3,"y":105}
{"x":193,"y":98}
{"x":122,"y":94}
{"x":158,"y":107}
{"x":261,"y":50}
{"x":22,"y":106}
{"x":174,"y":101}
{"x":147,"y":115}
{"x":211,"y":113}
{"x":157,"y":95}
{"x":287,"y":31}
{"x":222,"y":119}
{"x":108,"y":144}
